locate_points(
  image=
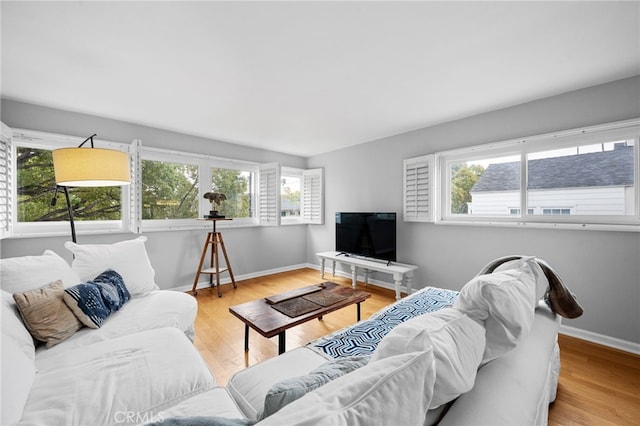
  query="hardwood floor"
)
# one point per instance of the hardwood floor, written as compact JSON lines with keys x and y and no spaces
{"x":598,"y":385}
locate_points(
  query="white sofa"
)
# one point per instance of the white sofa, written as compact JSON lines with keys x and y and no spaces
{"x":138,"y":363}
{"x":140,"y":366}
{"x":430,"y":368}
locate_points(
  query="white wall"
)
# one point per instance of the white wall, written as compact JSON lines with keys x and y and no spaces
{"x":602,"y":268}
{"x":174,"y":254}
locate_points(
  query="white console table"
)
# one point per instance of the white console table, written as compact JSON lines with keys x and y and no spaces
{"x":402,"y":273}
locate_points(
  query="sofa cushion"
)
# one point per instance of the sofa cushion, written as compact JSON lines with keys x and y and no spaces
{"x":129,"y":258}
{"x":24,"y":273}
{"x":249,"y":387}
{"x":45,"y":314}
{"x":143,"y":374}
{"x":288,"y":390}
{"x":161,"y":308}
{"x":215,"y":402}
{"x":505,"y":302}
{"x":364,"y":394}
{"x":458,"y":344}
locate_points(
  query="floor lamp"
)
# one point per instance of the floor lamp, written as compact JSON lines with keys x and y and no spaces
{"x":88,"y":167}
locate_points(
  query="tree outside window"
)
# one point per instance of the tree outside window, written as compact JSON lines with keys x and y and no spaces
{"x":35,"y":186}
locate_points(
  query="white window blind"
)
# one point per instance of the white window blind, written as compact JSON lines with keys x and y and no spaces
{"x":419,"y":189}
{"x":5,"y":180}
{"x":269,"y":197}
{"x":312,"y":196}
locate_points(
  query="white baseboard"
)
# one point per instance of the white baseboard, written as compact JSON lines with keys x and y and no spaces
{"x":227,"y":280}
{"x":601,"y":339}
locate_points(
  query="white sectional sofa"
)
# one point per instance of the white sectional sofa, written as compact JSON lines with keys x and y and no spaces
{"x":489,"y":359}
{"x":487,"y":355}
{"x":138,"y":363}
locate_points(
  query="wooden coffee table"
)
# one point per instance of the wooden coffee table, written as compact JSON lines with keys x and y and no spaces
{"x":266,"y":320}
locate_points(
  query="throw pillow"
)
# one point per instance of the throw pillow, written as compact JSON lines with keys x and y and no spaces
{"x":45,"y":314}
{"x":287,"y":391}
{"x":505,"y":303}
{"x":202,"y":421}
{"x":458,"y":344}
{"x":13,"y":326}
{"x":94,"y":301}
{"x":85,"y":300}
{"x":24,"y":273}
{"x":542,"y":283}
{"x":129,"y":258}
{"x":363,"y":396}
{"x":112,"y":289}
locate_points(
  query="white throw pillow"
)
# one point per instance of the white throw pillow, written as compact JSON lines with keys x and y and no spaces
{"x":458,"y":344}
{"x":13,"y":327}
{"x":505,"y":302}
{"x":363,"y":396}
{"x":542,"y":283}
{"x":25,"y":273}
{"x":128,"y":258}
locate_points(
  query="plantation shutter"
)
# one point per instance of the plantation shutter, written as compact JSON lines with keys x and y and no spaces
{"x":419,"y":189}
{"x":269,"y":197}
{"x":312,"y":196}
{"x":135,"y":188}
{"x":6,"y":177}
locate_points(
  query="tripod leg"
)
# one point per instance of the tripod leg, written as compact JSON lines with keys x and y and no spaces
{"x":226,"y":259}
{"x":204,"y":254}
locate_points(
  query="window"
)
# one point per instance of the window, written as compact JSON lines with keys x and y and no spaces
{"x":238,"y":188}
{"x":173,"y":196}
{"x":583,"y":179}
{"x":37,"y":207}
{"x":169,"y":190}
{"x":586,"y":177}
{"x":290,"y":195}
{"x":484,"y":186}
{"x":166,"y":192}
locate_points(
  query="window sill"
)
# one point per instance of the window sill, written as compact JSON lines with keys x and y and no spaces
{"x":622,"y":227}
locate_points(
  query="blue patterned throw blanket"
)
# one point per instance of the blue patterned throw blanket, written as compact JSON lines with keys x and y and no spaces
{"x":363,"y":337}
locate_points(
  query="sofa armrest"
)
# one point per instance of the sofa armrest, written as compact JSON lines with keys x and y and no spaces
{"x":515,"y":388}
{"x":249,"y":387}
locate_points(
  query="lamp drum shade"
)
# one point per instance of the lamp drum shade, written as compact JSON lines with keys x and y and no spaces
{"x":91,"y":167}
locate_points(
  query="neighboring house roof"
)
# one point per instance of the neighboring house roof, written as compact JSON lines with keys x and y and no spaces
{"x":608,"y":168}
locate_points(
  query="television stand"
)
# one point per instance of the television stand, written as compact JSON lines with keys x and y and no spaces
{"x":402,"y":273}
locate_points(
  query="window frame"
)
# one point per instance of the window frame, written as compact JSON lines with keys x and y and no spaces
{"x":49,"y":141}
{"x":205,"y":163}
{"x":627,"y":129}
{"x":298,"y":173}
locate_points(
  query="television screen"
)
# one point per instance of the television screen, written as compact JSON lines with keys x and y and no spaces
{"x":366,"y":234}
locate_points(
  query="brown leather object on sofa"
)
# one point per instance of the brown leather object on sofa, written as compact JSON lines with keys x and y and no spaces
{"x":559,"y":297}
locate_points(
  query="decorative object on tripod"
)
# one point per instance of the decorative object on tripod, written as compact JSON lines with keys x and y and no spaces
{"x":214,"y":197}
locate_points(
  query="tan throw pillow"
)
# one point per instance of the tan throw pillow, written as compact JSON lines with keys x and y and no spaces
{"x":45,"y":314}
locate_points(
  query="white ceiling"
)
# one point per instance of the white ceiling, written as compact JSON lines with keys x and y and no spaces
{"x":308,"y":77}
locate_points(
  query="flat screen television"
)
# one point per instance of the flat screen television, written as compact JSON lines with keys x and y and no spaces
{"x":366,"y":234}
